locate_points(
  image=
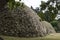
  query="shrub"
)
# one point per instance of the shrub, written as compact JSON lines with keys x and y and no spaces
{"x":55,"y":25}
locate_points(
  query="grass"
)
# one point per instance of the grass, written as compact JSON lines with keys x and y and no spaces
{"x":55,"y":36}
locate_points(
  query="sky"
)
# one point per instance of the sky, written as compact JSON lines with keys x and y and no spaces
{"x":33,"y":3}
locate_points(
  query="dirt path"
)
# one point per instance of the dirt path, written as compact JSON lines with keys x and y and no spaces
{"x":53,"y":36}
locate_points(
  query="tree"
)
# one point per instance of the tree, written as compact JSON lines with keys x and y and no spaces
{"x":50,"y":10}
{"x":36,"y":9}
{"x":41,"y":14}
{"x":13,"y":4}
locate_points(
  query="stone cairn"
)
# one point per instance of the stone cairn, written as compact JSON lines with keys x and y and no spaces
{"x":23,"y":23}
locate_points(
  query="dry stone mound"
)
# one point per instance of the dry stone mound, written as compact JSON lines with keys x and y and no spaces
{"x":22,"y":22}
{"x":49,"y":28}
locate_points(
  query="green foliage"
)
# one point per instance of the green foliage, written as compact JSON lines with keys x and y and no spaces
{"x":55,"y":25}
{"x":41,"y":14}
{"x":50,"y":11}
{"x":43,"y":5}
{"x":47,"y":16}
{"x":13,"y":4}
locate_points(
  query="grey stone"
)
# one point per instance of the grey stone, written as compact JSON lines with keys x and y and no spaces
{"x":22,"y":22}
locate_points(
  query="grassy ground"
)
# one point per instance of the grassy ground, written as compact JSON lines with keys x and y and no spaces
{"x":55,"y":36}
